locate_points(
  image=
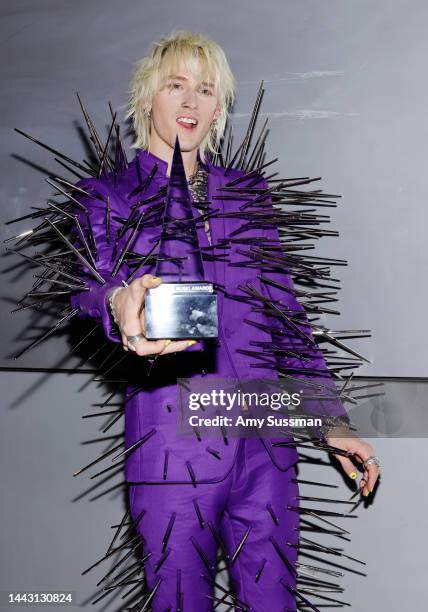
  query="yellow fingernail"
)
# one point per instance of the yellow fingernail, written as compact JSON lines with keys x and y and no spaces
{"x":371,"y":490}
{"x":167,"y":342}
{"x":156,"y":278}
{"x":365,"y":493}
{"x":190,"y":342}
{"x":353,"y":475}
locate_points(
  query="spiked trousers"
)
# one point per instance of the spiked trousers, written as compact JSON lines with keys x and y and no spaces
{"x":246,"y":516}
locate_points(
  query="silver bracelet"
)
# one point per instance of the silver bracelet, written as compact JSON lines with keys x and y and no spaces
{"x":330,"y":422}
{"x":111,"y":298}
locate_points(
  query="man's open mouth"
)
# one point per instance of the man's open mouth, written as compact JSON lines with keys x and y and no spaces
{"x":188,"y":123}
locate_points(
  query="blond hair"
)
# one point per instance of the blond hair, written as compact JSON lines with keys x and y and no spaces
{"x":204,"y":58}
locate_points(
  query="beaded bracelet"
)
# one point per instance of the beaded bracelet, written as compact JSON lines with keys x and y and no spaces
{"x":111,"y":296}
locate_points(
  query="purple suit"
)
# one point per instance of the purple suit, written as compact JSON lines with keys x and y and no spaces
{"x":231,"y":493}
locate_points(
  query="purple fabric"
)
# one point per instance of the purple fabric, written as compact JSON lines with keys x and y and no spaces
{"x":253,"y":499}
{"x":244,"y":483}
{"x":148,"y":407}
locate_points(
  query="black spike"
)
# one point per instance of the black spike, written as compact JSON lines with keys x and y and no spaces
{"x":104,"y":155}
{"x":283,"y":556}
{"x":100,"y":458}
{"x":260,"y":570}
{"x":333,"y":551}
{"x":168,"y":531}
{"x":253,"y":119}
{"x":128,"y":242}
{"x":151,"y":596}
{"x":161,"y":561}
{"x":296,"y":593}
{"x":240,"y":603}
{"x":191,"y":473}
{"x":69,"y":314}
{"x":91,"y":128}
{"x":272,"y":514}
{"x":210,"y":567}
{"x":65,"y":193}
{"x":199,"y":514}
{"x":316,"y":511}
{"x":165,"y":465}
{"x":136,"y":444}
{"x":213,"y":452}
{"x":240,"y":545}
{"x":218,"y":541}
{"x":91,"y":268}
{"x":317,"y":594}
{"x":179,"y":594}
{"x":68,"y":159}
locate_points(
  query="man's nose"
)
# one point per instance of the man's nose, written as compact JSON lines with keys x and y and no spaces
{"x":190,"y":98}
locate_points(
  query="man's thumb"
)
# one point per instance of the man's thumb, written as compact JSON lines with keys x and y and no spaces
{"x":148,"y":280}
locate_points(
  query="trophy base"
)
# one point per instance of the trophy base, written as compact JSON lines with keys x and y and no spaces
{"x":181,"y":311}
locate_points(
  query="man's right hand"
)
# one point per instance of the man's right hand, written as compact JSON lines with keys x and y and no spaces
{"x":128,"y":304}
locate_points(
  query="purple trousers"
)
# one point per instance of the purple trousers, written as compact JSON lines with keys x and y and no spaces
{"x":246,"y":516}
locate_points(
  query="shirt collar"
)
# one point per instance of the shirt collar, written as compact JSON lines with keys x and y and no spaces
{"x":147,"y":160}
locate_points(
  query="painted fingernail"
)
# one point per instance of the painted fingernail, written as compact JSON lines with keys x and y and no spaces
{"x":353,"y":475}
{"x":167,"y":342}
{"x":190,"y":342}
{"x":156,"y":278}
{"x":371,"y":490}
{"x":365,"y":493}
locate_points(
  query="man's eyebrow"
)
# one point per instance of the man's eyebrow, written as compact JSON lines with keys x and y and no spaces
{"x":181,"y":78}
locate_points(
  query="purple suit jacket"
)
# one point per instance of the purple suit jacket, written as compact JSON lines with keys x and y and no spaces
{"x":165,"y":457}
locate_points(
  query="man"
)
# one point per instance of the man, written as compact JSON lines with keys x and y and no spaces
{"x":190,"y":496}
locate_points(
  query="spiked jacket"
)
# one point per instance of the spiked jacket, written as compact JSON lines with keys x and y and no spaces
{"x":263,"y":328}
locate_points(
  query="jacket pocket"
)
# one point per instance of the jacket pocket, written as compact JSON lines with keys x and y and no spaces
{"x":163,"y":456}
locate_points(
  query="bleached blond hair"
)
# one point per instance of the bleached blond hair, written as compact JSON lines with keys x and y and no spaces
{"x":204,"y":59}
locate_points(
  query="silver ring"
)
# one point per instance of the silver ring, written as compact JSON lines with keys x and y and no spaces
{"x":131,"y":339}
{"x":373,"y":460}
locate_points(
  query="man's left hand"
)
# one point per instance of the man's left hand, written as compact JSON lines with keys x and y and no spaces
{"x":344,"y":439}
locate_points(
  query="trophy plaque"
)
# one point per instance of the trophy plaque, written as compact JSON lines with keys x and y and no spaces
{"x":184,"y":305}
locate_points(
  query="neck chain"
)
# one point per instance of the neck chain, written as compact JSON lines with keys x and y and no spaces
{"x":198,"y":187}
{"x":198,"y":184}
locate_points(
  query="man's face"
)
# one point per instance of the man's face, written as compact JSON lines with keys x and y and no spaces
{"x":183,"y":106}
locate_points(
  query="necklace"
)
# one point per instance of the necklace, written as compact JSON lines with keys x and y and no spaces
{"x":198,"y":186}
{"x":198,"y":183}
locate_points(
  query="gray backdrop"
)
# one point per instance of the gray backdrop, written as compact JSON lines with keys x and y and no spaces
{"x":52,"y":531}
{"x":345,"y":93}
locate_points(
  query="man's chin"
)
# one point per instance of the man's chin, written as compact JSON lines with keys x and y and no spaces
{"x":188,"y":142}
{"x":187,"y":147}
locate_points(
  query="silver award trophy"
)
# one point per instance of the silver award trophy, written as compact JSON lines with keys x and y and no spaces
{"x":184,"y":305}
